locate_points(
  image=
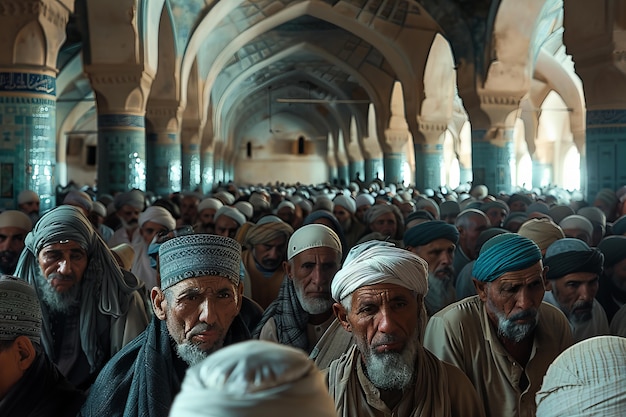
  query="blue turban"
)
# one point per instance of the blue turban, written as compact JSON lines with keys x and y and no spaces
{"x":424,"y":233}
{"x":505,"y":253}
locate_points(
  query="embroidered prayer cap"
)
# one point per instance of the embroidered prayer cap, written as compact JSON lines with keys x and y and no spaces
{"x":230,"y":212}
{"x":245,"y":208}
{"x":158,"y":215}
{"x":587,"y":379}
{"x":613,"y":248}
{"x":27,"y":196}
{"x":312,"y":236}
{"x":543,"y":232}
{"x":79,"y":199}
{"x":20,"y":312}
{"x":209,"y":203}
{"x":254,"y":378}
{"x":346,"y":202}
{"x":505,"y":253}
{"x":197,"y":255}
{"x":380,"y":264}
{"x":15,"y":218}
{"x":133,"y":198}
{"x":364,"y":200}
{"x":424,"y":233}
{"x":569,"y":255}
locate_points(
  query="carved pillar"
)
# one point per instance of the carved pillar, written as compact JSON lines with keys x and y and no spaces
{"x":31,"y":34}
{"x":190,"y":138}
{"x":429,"y":154}
{"x":542,"y":163}
{"x":343,"y":170}
{"x":164,"y":148}
{"x":356,"y":164}
{"x":218,"y":162}
{"x":331,"y":160}
{"x":396,"y":136}
{"x":207,"y":166}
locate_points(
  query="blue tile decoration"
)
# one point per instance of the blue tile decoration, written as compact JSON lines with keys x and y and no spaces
{"x":374,"y":168}
{"x":357,"y":169}
{"x":492,"y":165}
{"x":27,"y":82}
{"x":393,"y":162}
{"x":164,"y":173}
{"x":428,"y":162}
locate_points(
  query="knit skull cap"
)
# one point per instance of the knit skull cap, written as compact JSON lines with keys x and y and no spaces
{"x":20,"y":312}
{"x":15,"y":218}
{"x":346,"y":202}
{"x":27,"y":196}
{"x":209,"y":203}
{"x":312,"y":236}
{"x":199,"y":255}
{"x":230,"y":212}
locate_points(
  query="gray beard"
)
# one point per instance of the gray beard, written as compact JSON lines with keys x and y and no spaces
{"x":508,"y":329}
{"x":57,"y":302}
{"x":191,"y":353}
{"x":313,"y":305}
{"x":390,"y":370}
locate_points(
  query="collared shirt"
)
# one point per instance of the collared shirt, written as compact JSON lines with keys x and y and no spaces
{"x":463,"y":335}
{"x":597,"y":325}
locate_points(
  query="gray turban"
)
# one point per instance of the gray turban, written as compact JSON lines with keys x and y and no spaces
{"x":586,"y":380}
{"x":254,"y":379}
{"x":20,"y":312}
{"x":376,"y":211}
{"x":133,"y":198}
{"x":198,"y":255}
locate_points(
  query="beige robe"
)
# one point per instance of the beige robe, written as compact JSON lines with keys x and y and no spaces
{"x":439,"y":390}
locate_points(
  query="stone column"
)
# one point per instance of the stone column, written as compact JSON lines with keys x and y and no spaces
{"x":356,"y":165}
{"x":31,"y":34}
{"x":429,"y":154}
{"x":543,"y":170}
{"x":164,"y":174}
{"x":343,"y":169}
{"x":331,"y":160}
{"x":190,"y":138}
{"x":396,"y":136}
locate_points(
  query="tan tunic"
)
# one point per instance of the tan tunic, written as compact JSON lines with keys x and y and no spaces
{"x":439,"y":390}
{"x":263,"y":290}
{"x":463,"y":335}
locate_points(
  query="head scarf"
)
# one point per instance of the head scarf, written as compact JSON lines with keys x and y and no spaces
{"x":312,"y":236}
{"x":586,"y":380}
{"x":20,"y":312}
{"x":196,"y":255}
{"x":254,"y":379}
{"x":543,"y":232}
{"x":614,"y":249}
{"x":505,"y":253}
{"x":158,"y":215}
{"x":267,"y":228}
{"x":103,"y":289}
{"x":424,"y":233}
{"x":569,"y":255}
{"x":381,"y":264}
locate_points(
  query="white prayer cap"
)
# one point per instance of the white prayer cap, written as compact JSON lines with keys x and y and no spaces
{"x":157,"y":215}
{"x":209,"y":203}
{"x":576,"y":221}
{"x":380,"y":264}
{"x":346,"y":202}
{"x":27,"y":196}
{"x":245,"y":208}
{"x":364,"y":200}
{"x":80,"y":199}
{"x":312,"y":236}
{"x":99,"y":209}
{"x":587,"y":379}
{"x":15,"y":218}
{"x":225,"y":197}
{"x":230,"y":212}
{"x":254,"y":379}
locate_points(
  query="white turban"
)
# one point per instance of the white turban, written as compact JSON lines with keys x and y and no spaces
{"x":254,"y":379}
{"x":380,"y":264}
{"x":157,"y":215}
{"x":346,"y":202}
{"x":364,"y":200}
{"x":230,"y":212}
{"x":588,"y":379}
{"x":209,"y":203}
{"x":245,"y":208}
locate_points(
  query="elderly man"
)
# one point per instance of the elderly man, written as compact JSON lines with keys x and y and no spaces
{"x":153,"y":221}
{"x":254,"y":379}
{"x":90,"y":307}
{"x":505,"y":337}
{"x":303,"y":309}
{"x":344,"y":209}
{"x":14,"y":225}
{"x":496,"y":211}
{"x":363,"y":203}
{"x":387,"y":372}
{"x":128,"y":205}
{"x":206,"y":215}
{"x":189,"y":203}
{"x":470,"y":223}
{"x":30,"y":384}
{"x":197,"y":311}
{"x":435,"y":241}
{"x":573,"y":275}
{"x":387,"y":220}
{"x":266,"y":244}
{"x":228,"y":220}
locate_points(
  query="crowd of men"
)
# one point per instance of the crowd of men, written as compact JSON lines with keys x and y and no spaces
{"x":366,"y":300}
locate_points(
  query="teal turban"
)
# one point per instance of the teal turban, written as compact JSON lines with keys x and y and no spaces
{"x":424,"y":233}
{"x":505,"y":253}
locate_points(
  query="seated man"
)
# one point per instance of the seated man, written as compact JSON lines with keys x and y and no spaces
{"x":197,"y":311}
{"x":228,"y":220}
{"x":380,"y":299}
{"x":30,"y":384}
{"x":303,"y":310}
{"x":91,"y":308}
{"x":573,"y":276}
{"x":505,"y":337}
{"x":14,"y":226}
{"x":435,"y":242}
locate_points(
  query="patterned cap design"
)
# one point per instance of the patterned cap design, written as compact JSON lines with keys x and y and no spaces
{"x":20,"y":312}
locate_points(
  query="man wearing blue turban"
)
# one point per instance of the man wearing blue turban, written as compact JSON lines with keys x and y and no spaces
{"x":435,"y":241}
{"x":505,"y":337}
